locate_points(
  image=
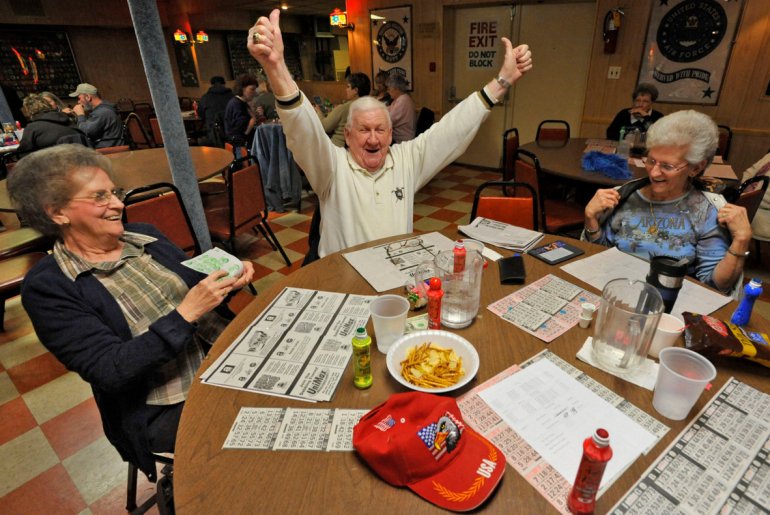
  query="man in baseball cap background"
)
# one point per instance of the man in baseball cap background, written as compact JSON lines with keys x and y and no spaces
{"x":420,"y":441}
{"x":98,"y":118}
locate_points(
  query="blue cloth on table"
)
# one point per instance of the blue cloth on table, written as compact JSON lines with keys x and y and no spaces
{"x":280,"y":175}
{"x":611,"y":165}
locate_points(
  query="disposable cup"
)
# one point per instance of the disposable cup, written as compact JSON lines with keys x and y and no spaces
{"x":389,"y":319}
{"x":584,"y":322}
{"x":669,"y":329}
{"x":682,"y":376}
{"x":588,"y":310}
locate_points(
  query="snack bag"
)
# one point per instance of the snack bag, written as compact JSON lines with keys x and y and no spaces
{"x":713,"y":337}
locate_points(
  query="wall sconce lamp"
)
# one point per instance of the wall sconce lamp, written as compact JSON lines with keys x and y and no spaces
{"x":340,"y":19}
{"x":181,"y":37}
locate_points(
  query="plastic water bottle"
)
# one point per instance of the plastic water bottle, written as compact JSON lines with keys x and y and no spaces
{"x":596,"y":454}
{"x":751,"y":291}
{"x":624,"y":147}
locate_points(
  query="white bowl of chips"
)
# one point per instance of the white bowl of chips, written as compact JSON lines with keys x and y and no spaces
{"x":449,"y":361}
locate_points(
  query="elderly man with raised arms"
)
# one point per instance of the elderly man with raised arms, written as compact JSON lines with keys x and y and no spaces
{"x":367,"y":191}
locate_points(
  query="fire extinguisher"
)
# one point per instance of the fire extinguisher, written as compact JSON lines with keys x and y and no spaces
{"x":611,"y":29}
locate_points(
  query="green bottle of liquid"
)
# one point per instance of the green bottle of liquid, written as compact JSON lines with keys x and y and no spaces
{"x":362,"y":359}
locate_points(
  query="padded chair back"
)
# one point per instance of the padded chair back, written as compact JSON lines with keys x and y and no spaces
{"x":510,"y":146}
{"x":144,"y":111}
{"x":185,"y":103}
{"x":125,"y":105}
{"x":247,"y":198}
{"x":752,"y":193}
{"x":553,"y":130}
{"x":157,"y":136}
{"x":424,"y":120}
{"x":138,"y":134}
{"x":161,"y":205}
{"x":725,"y":137}
{"x":242,"y":154}
{"x":519,"y":211}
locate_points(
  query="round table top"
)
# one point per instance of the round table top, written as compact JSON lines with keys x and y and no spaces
{"x":209,"y":479}
{"x":136,"y":168}
{"x":564,"y":160}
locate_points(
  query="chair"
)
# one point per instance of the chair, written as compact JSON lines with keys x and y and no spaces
{"x":425,"y":119}
{"x":555,"y":215}
{"x":125,"y":105}
{"x":113,"y":150}
{"x":164,"y":489}
{"x":725,"y":137}
{"x":157,"y":136}
{"x":185,"y":103}
{"x":553,"y":130}
{"x":14,"y":242}
{"x":752,"y":193}
{"x":144,"y":111}
{"x":137,"y":133}
{"x":519,"y":211}
{"x":161,"y":205}
{"x":510,"y":146}
{"x":241,"y":151}
{"x":246,"y":207}
{"x":12,"y":272}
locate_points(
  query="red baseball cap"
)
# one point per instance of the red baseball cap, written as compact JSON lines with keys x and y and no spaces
{"x":419,"y":440}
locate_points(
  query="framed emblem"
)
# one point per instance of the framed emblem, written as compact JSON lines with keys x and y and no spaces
{"x":392,"y":41}
{"x":688,"y":45}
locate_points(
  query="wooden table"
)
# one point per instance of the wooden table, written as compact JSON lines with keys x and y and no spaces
{"x":142,"y":167}
{"x":564,"y":160}
{"x":209,"y":479}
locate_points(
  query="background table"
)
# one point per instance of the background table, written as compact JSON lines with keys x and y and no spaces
{"x":280,"y":175}
{"x":209,"y":479}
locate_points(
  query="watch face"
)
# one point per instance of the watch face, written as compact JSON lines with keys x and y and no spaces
{"x":391,"y":39}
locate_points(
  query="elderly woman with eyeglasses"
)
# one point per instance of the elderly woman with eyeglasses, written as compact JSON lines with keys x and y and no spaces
{"x":114,"y":303}
{"x":665,"y":214}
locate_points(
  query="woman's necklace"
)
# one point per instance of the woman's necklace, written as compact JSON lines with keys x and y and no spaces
{"x":653,"y":229}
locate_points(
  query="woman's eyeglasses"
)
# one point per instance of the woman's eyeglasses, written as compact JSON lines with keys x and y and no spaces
{"x":650,"y":163}
{"x":102,"y":198}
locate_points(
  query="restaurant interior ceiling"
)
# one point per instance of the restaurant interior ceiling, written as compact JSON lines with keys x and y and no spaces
{"x":295,"y":7}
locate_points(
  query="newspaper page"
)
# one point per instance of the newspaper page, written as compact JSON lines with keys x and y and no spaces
{"x":547,"y":308}
{"x":720,"y":463}
{"x":519,"y":453}
{"x":298,"y":347}
{"x":501,"y":234}
{"x":392,"y":265}
{"x":294,"y":429}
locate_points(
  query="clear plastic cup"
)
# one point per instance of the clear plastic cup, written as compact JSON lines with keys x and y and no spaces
{"x":669,"y":329}
{"x":682,"y":376}
{"x":389,"y":319}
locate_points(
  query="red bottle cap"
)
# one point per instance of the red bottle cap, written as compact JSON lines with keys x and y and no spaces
{"x":434,"y":283}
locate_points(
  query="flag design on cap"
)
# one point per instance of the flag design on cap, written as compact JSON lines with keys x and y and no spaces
{"x":386,"y":423}
{"x":442,"y":436}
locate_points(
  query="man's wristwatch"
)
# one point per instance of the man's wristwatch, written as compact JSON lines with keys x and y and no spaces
{"x":504,"y":83}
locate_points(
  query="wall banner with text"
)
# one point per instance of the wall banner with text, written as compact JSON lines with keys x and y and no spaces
{"x":392,"y":41}
{"x":688,"y":46}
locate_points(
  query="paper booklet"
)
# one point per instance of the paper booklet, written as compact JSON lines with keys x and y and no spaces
{"x":501,"y":234}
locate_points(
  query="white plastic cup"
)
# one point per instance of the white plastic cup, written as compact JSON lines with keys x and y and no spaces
{"x":682,"y":376}
{"x":669,"y":329}
{"x":584,"y":322}
{"x":389,"y":319}
{"x":588,"y":310}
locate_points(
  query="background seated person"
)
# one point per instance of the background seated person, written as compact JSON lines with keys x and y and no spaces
{"x":47,"y":126}
{"x":381,"y":93}
{"x":367,"y":191}
{"x":98,"y":118}
{"x":114,"y":303}
{"x":58,"y":105}
{"x":211,"y":108}
{"x":263,"y":103}
{"x":334,"y":122}
{"x":403,"y":114}
{"x":760,"y":226}
{"x":641,"y":115}
{"x":664,"y":214}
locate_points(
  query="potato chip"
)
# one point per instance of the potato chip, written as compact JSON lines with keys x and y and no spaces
{"x":432,"y":366}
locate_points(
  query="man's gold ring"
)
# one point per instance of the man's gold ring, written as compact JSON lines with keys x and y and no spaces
{"x":256,"y":37}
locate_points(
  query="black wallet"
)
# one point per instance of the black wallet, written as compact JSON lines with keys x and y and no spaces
{"x":512,"y":270}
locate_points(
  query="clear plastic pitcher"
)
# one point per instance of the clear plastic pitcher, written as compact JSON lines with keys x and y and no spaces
{"x":462,"y":289}
{"x":628,"y":315}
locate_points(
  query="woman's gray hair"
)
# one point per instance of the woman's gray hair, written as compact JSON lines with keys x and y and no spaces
{"x":692,"y":129}
{"x":397,"y":81}
{"x":645,"y":88}
{"x":42,"y":182}
{"x":363,"y":104}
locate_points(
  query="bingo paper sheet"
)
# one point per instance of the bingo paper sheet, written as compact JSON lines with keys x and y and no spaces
{"x":298,"y":347}
{"x":520,"y":454}
{"x":720,"y":463}
{"x":547,"y":308}
{"x":292,"y":429}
